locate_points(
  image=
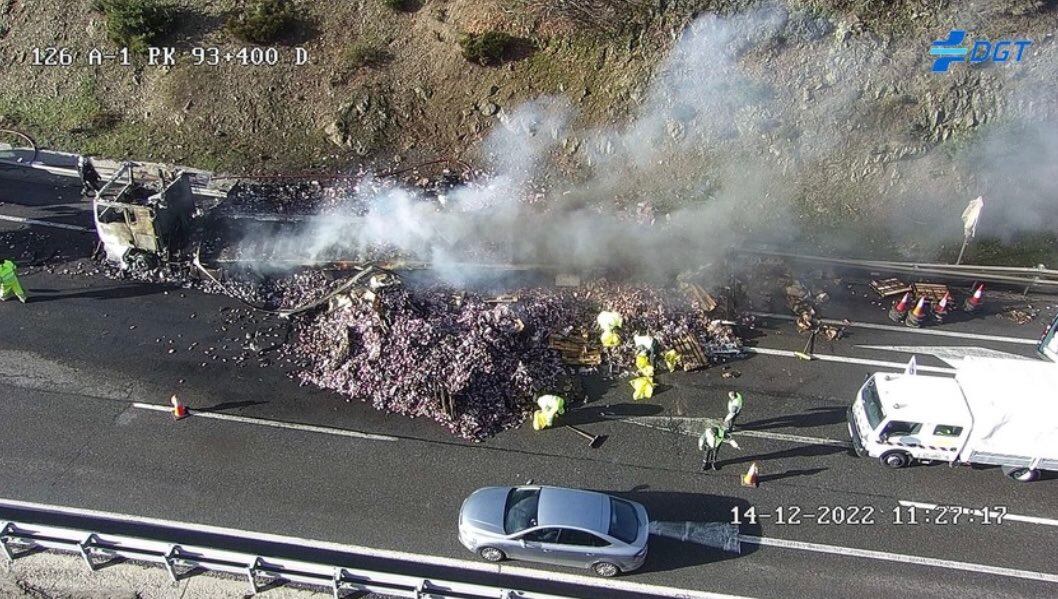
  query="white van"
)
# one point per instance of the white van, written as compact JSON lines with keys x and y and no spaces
{"x":995,"y":411}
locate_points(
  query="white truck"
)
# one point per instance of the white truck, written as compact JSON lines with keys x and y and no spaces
{"x":1001,"y":412}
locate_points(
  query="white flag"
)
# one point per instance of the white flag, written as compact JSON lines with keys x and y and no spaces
{"x":912,"y":366}
{"x":971,"y":215}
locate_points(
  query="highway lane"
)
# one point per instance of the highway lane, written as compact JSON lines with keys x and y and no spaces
{"x":74,"y":361}
{"x":102,"y":454}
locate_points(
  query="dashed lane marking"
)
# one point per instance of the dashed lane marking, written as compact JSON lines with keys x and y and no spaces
{"x":417,"y":558}
{"x":847,"y":360}
{"x":905,"y":329}
{"x":272,"y":423}
{"x":996,"y":515}
{"x":900,"y":557}
{"x":44,"y":223}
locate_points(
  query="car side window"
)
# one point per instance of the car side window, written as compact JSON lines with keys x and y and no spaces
{"x":897,"y":427}
{"x":945,"y":430}
{"x":581,"y":538}
{"x":542,"y":535}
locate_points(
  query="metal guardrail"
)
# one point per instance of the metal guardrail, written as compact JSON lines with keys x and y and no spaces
{"x":181,"y":560}
{"x":1028,"y":277}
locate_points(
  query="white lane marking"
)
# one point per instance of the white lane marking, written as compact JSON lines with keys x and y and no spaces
{"x":952,"y":355}
{"x":44,"y":223}
{"x":792,"y":438}
{"x":272,"y":423}
{"x":862,"y":361}
{"x":900,"y":557}
{"x":418,"y":558}
{"x":695,"y":426}
{"x":907,"y":329}
{"x":978,"y":512}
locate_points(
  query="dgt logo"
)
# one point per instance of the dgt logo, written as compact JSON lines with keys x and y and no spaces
{"x":952,"y":50}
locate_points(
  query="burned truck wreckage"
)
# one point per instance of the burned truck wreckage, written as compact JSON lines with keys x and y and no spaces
{"x":374,"y":323}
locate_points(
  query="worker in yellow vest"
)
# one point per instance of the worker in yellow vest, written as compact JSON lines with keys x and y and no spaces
{"x":550,"y":406}
{"x":609,"y":322}
{"x":9,"y":285}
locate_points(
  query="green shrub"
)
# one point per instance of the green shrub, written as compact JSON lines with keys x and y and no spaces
{"x":134,"y":24}
{"x":399,"y":5}
{"x":490,"y":47}
{"x":364,"y":54}
{"x":263,"y":21}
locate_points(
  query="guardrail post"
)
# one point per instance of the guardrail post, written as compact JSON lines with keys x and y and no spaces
{"x":251,"y":575}
{"x":170,"y":562}
{"x":84,"y":547}
{"x":4,"y":531}
{"x":337,"y":582}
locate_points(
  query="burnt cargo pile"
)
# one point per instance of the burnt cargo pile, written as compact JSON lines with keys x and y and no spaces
{"x":472,"y":362}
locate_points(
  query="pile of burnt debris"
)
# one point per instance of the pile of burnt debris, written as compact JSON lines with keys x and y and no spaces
{"x":475,"y":362}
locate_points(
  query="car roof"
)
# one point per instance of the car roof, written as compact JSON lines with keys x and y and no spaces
{"x":573,"y":508}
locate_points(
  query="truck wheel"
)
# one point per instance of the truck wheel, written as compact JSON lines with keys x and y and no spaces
{"x":1023,"y":475}
{"x":895,"y":459}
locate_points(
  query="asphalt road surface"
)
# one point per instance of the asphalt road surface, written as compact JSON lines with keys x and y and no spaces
{"x":87,"y":363}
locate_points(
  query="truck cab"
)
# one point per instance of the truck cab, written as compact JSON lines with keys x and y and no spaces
{"x":902,"y":418}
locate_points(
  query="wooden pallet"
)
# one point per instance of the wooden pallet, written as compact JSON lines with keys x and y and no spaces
{"x":575,"y":350}
{"x":890,"y":287}
{"x":691,"y":355}
{"x":699,"y":295}
{"x":933,"y":292}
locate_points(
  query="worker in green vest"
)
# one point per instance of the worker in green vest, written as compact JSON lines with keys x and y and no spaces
{"x":734,"y":408}
{"x":550,"y":406}
{"x":9,"y":285}
{"x":710,"y":442}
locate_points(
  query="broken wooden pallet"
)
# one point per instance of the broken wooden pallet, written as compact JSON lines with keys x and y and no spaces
{"x":575,"y":350}
{"x":691,"y":355}
{"x":702,"y":297}
{"x":931,"y":291}
{"x":890,"y":287}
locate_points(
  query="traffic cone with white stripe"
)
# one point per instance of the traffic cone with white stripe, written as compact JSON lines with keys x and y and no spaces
{"x":752,"y":476}
{"x":974,"y":302}
{"x":918,"y":315}
{"x":179,"y":409}
{"x":899,"y":310}
{"x":942,"y":308}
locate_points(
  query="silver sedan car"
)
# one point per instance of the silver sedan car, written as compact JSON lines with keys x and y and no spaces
{"x":567,"y":527}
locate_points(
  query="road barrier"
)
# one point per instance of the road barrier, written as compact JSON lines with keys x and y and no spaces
{"x":261,"y":572}
{"x":1029,"y":277}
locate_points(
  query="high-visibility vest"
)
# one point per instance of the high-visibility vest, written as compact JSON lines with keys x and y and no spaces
{"x":608,"y":321}
{"x":734,"y":405}
{"x":551,"y":405}
{"x":7,"y":273}
{"x":711,"y":438}
{"x":610,"y":339}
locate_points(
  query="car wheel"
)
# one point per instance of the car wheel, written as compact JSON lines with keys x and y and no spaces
{"x":606,"y":569}
{"x":1023,"y":475}
{"x":491,"y":554}
{"x":895,"y":459}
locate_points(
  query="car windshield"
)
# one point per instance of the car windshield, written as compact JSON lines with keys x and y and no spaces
{"x":520,"y":511}
{"x":872,"y":406}
{"x":624,"y":524}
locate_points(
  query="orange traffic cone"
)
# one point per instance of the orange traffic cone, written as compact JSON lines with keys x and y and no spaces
{"x":752,"y":477}
{"x":974,"y":301}
{"x":942,"y":308}
{"x":899,"y":310}
{"x":179,"y":409}
{"x":915,"y":318}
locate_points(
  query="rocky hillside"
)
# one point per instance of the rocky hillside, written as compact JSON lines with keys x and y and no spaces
{"x":819,"y":117}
